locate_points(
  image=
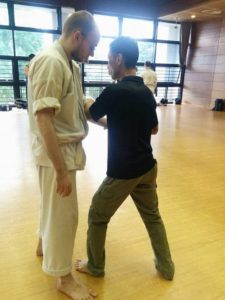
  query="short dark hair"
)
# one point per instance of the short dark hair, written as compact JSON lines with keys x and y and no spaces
{"x":128,"y":47}
{"x":31,"y":56}
{"x":82,"y":20}
{"x":149,"y":64}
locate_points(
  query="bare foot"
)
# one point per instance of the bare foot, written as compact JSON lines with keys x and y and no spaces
{"x":81,"y":266}
{"x":39,"y":248}
{"x":74,"y":289}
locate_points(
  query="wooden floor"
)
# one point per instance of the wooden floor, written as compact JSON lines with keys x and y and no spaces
{"x":190,"y":149}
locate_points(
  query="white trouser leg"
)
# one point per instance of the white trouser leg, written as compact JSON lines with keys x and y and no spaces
{"x":58,"y":223}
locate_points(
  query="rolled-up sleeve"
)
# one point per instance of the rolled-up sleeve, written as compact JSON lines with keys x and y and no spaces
{"x":46,"y":80}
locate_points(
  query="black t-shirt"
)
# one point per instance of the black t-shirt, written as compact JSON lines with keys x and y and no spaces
{"x":131,"y":114}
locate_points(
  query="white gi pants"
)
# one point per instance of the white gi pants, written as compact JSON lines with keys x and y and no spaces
{"x":58,"y":223}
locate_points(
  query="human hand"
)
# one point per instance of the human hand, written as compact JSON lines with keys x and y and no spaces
{"x":63,"y":184}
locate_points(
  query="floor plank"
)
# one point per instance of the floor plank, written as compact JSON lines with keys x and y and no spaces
{"x":190,"y":149}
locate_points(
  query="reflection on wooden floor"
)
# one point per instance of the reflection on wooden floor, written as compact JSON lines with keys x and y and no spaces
{"x":190,"y":149}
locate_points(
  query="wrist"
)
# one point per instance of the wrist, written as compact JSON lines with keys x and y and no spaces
{"x":61,"y":173}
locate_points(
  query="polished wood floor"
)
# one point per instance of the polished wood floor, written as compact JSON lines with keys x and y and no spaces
{"x":190,"y":149}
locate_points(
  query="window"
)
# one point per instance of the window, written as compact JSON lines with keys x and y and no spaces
{"x":131,"y":27}
{"x":6,"y":95}
{"x":6,"y":70}
{"x":168,"y":74}
{"x":23,"y":93}
{"x":21,"y":66}
{"x":146,"y":51}
{"x":32,"y":42}
{"x":108,"y":25}
{"x":109,"y":29}
{"x":167,"y":53}
{"x":168,"y":31}
{"x":35,"y":17}
{"x":93,"y":91}
{"x":42,"y":24}
{"x":4,"y":17}
{"x":161,"y":93}
{"x":169,"y":93}
{"x":6,"y":42}
{"x":96,"y":73}
{"x":101,"y":51}
{"x":66,"y":12}
{"x":173,"y":93}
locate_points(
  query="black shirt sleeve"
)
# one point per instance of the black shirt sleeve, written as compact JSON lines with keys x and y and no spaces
{"x":101,"y":105}
{"x":154,"y":119}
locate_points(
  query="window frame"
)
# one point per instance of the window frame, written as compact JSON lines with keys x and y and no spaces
{"x":15,"y":59}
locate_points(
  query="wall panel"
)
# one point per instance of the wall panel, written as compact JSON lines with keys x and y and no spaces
{"x":205,"y":74}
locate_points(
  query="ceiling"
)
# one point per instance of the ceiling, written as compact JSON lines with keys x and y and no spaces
{"x":172,"y":10}
{"x":206,"y":10}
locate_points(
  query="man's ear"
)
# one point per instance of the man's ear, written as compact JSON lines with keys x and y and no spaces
{"x":119,"y":59}
{"x":77,"y":35}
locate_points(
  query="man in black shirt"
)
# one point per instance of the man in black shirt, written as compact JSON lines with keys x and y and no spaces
{"x":131,"y":170}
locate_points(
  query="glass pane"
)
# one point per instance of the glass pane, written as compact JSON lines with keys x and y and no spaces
{"x":32,"y":42}
{"x":146,"y":51}
{"x":139,"y":29}
{"x":45,"y":18}
{"x":96,"y":73}
{"x":93,"y":91}
{"x":21,"y":66}
{"x":102,"y":50}
{"x":168,"y":31}
{"x":4,"y":17}
{"x":66,"y":12}
{"x":172,"y":93}
{"x":6,"y":43}
{"x":108,"y":25}
{"x":23,"y":93}
{"x":6,"y":70}
{"x":168,"y":74}
{"x":169,"y":93}
{"x":6,"y":95}
{"x":161,"y":93}
{"x":167,"y":53}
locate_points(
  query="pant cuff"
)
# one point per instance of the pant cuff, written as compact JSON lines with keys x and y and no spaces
{"x":57,"y":273}
{"x":94,"y":272}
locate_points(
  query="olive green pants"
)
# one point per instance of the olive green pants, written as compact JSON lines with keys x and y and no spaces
{"x":108,"y":198}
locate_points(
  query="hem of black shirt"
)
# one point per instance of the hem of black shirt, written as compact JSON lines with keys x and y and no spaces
{"x":134,"y":174}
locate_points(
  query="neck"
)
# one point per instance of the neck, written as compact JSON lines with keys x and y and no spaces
{"x":65,"y":44}
{"x":128,"y":72}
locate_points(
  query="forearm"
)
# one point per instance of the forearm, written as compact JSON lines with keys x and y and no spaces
{"x":46,"y":128}
{"x":101,"y":122}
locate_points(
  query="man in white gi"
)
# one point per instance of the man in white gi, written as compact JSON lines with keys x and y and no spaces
{"x":149,"y":77}
{"x":58,"y":122}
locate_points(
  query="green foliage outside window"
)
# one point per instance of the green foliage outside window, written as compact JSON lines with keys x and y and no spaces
{"x":6,"y":70}
{"x":6,"y":43}
{"x":32,"y":42}
{"x":6,"y":95}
